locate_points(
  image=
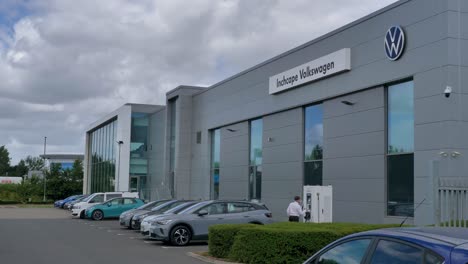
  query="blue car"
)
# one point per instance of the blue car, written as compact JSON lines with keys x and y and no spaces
{"x":428,"y":245}
{"x":61,"y":203}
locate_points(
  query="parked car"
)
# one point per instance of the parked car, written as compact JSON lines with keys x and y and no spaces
{"x":430,"y":245}
{"x":160,"y":209}
{"x":112,"y":208}
{"x":126,"y":217}
{"x":79,"y":208}
{"x":61,"y":203}
{"x":193,"y":223}
{"x":147,"y":221}
{"x":68,"y":205}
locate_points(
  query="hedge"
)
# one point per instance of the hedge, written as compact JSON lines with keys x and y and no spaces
{"x":221,"y":238}
{"x":279,"y":242}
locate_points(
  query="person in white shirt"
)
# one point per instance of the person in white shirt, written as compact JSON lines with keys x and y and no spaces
{"x":294,"y":210}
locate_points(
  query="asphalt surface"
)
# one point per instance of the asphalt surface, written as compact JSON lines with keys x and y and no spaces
{"x":49,"y":236}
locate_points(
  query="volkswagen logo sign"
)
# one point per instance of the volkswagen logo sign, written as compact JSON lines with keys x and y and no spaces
{"x":394,"y":42}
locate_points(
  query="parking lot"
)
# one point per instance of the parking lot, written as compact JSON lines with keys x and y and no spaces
{"x":47,"y":235}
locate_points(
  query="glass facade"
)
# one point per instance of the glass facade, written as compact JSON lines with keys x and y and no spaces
{"x":400,"y":147}
{"x":255,"y":170}
{"x":138,"y":154}
{"x":313,"y":146}
{"x":215,"y":158}
{"x":102,"y":157}
{"x":172,"y":143}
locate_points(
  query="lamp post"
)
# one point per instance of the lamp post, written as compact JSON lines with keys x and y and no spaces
{"x":120,"y":142}
{"x":44,"y":174}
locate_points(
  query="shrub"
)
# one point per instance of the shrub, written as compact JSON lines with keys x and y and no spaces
{"x":221,"y":238}
{"x":279,"y":242}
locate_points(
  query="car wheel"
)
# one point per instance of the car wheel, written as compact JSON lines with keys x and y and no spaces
{"x":130,"y":226}
{"x":180,"y":236}
{"x":97,"y":215}
{"x":82,"y":216}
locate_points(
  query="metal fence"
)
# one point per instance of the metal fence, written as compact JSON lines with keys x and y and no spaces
{"x":451,"y":202}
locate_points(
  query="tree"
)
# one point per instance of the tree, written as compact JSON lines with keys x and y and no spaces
{"x":19,"y":170}
{"x":34,"y":163}
{"x":4,"y":161}
{"x":63,"y":183}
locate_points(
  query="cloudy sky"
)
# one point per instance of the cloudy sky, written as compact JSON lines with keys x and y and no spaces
{"x":65,"y":63}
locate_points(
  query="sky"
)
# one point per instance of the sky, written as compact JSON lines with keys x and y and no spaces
{"x":66,"y":63}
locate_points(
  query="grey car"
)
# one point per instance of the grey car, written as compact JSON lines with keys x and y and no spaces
{"x":160,"y":209}
{"x":146,"y":222}
{"x":126,"y":217}
{"x":193,"y":223}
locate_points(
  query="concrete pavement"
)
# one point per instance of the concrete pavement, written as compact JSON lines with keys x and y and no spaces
{"x":48,"y":236}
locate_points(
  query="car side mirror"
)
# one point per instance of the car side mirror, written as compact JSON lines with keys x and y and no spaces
{"x":108,"y":205}
{"x":202,"y":212}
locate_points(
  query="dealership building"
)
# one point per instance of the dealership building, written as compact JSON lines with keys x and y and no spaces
{"x":377,"y":109}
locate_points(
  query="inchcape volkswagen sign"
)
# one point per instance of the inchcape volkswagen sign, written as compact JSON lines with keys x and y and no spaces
{"x":320,"y":68}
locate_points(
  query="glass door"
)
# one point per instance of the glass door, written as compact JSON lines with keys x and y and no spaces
{"x":134,"y":183}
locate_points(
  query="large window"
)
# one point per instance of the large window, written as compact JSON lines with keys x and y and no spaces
{"x":255,"y":169}
{"x":400,"y":147}
{"x":138,"y":154}
{"x":102,"y":146}
{"x":313,"y":147}
{"x":172,"y":143}
{"x":215,"y":157}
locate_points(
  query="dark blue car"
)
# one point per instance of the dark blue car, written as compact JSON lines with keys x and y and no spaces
{"x":61,"y":203}
{"x":438,"y":245}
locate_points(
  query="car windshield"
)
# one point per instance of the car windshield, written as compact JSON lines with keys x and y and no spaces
{"x":88,"y":198}
{"x":81,"y":199}
{"x":180,"y":208}
{"x":150,"y":205}
{"x":167,"y":206}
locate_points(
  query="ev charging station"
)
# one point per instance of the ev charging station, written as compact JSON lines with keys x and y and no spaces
{"x":318,"y":204}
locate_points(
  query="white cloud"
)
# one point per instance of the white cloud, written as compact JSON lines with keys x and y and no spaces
{"x":65,"y":63}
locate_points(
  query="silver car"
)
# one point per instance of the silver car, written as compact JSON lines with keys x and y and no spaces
{"x":193,"y":223}
{"x":126,"y":217}
{"x":146,"y":223}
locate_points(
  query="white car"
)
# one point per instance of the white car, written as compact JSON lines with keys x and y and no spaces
{"x":78,"y":209}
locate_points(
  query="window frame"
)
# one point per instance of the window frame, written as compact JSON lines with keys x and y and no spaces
{"x":213,"y":168}
{"x":254,"y":167}
{"x":304,"y":161}
{"x":386,"y":88}
{"x":225,"y":211}
{"x":245,"y":205}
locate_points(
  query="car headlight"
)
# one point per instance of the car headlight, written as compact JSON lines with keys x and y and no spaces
{"x":163,"y":222}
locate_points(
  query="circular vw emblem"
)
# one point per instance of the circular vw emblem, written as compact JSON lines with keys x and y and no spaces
{"x":394,"y":42}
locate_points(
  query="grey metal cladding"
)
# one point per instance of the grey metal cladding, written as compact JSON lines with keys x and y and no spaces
{"x":358,"y":190}
{"x":365,"y":167}
{"x":285,"y":171}
{"x":358,"y":212}
{"x":355,"y":123}
{"x":233,"y":175}
{"x":352,"y":146}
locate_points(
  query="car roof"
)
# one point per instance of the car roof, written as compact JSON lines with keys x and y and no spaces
{"x":449,"y":235}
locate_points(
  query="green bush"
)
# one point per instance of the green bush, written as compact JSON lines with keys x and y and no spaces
{"x":221,"y":238}
{"x":279,"y":242}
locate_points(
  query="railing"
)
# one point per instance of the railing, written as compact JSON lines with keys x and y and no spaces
{"x":451,"y":202}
